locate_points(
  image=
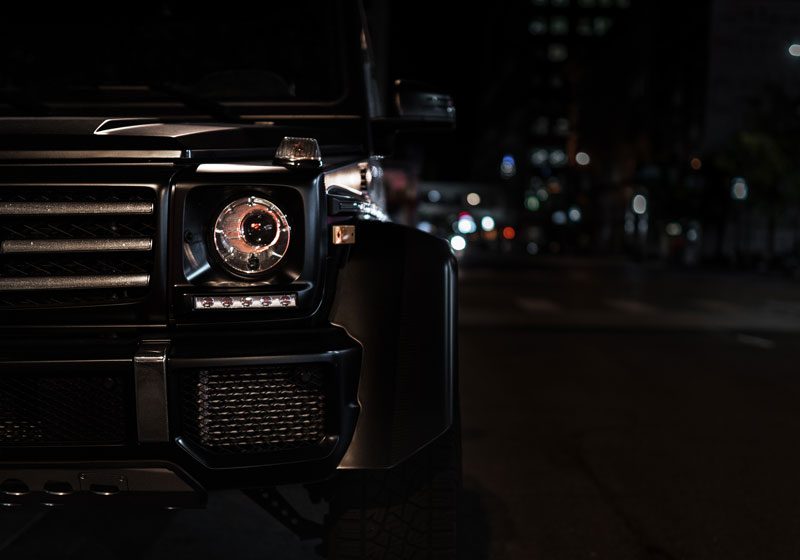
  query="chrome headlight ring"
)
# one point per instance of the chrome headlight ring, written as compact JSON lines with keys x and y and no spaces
{"x":251,"y":235}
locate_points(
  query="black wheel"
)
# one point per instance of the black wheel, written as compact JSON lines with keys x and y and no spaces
{"x":407,"y":512}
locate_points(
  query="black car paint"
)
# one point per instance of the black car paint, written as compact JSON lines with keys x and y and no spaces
{"x":385,"y":322}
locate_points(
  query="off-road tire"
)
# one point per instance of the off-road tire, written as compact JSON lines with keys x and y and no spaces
{"x":408,"y":512}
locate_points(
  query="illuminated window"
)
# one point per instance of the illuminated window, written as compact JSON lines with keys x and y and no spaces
{"x":537,"y":27}
{"x":559,"y":25}
{"x":557,"y":52}
{"x":540,"y":126}
{"x":601,"y":25}
{"x":561,"y":127}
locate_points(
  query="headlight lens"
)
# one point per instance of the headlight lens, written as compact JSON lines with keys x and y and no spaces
{"x":251,"y":235}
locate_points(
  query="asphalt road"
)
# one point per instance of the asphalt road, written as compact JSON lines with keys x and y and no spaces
{"x":609,"y":411}
{"x":614,"y":411}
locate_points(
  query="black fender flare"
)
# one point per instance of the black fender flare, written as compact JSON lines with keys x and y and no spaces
{"x":396,"y":295}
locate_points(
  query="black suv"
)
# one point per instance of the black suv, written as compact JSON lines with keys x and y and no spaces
{"x":200,"y":283}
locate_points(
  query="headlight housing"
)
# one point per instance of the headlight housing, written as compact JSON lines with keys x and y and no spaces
{"x":251,"y":235}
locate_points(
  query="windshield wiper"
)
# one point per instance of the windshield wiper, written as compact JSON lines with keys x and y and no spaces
{"x":25,"y":102}
{"x":197,"y":102}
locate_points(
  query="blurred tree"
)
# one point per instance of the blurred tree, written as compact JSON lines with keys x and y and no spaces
{"x":766,"y":153}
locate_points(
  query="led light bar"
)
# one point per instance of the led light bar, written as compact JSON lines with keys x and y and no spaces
{"x":261,"y":301}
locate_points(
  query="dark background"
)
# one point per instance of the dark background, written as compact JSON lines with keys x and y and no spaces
{"x":675,"y":101}
{"x":629,"y":379}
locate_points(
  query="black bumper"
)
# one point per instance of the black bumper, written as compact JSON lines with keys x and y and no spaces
{"x":93,"y":407}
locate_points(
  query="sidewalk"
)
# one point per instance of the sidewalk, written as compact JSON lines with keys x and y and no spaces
{"x":614,"y":294}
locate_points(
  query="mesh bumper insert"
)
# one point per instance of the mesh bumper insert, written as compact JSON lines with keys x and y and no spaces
{"x":254,"y":409}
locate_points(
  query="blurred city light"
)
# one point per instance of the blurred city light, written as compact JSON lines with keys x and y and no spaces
{"x":466,"y":224}
{"x":691,"y":235}
{"x":558,"y":158}
{"x":559,"y":217}
{"x":794,"y":50}
{"x":542,"y":194}
{"x":582,"y":158}
{"x":458,"y":243}
{"x":739,"y":190}
{"x":696,"y":163}
{"x":539,"y":157}
{"x":630,"y":226}
{"x":434,"y":196}
{"x":508,"y":168}
{"x":473,"y":199}
{"x":674,"y":229}
{"x":509,"y":233}
{"x":532,"y":248}
{"x":575,"y":214}
{"x":531,"y":203}
{"x":487,"y":223}
{"x":427,"y":227}
{"x":639,"y":204}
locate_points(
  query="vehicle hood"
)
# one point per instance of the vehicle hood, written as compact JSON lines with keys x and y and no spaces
{"x":91,"y":137}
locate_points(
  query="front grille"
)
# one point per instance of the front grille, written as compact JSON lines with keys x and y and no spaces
{"x":254,"y":409}
{"x":64,"y":246}
{"x":62,"y":409}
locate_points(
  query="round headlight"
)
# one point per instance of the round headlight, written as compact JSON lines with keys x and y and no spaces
{"x":251,"y":235}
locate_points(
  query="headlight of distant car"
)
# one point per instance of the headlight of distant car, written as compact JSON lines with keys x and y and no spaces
{"x":251,"y":235}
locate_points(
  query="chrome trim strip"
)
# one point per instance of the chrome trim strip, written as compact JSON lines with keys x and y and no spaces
{"x":74,"y":208}
{"x":75,"y":245}
{"x":74,"y":282}
{"x":150,"y":376}
{"x":236,"y":168}
{"x":92,"y":154}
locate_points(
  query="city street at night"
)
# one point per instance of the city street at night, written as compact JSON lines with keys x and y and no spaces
{"x":661,"y":424}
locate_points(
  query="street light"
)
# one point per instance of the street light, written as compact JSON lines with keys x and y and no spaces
{"x":739,"y":189}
